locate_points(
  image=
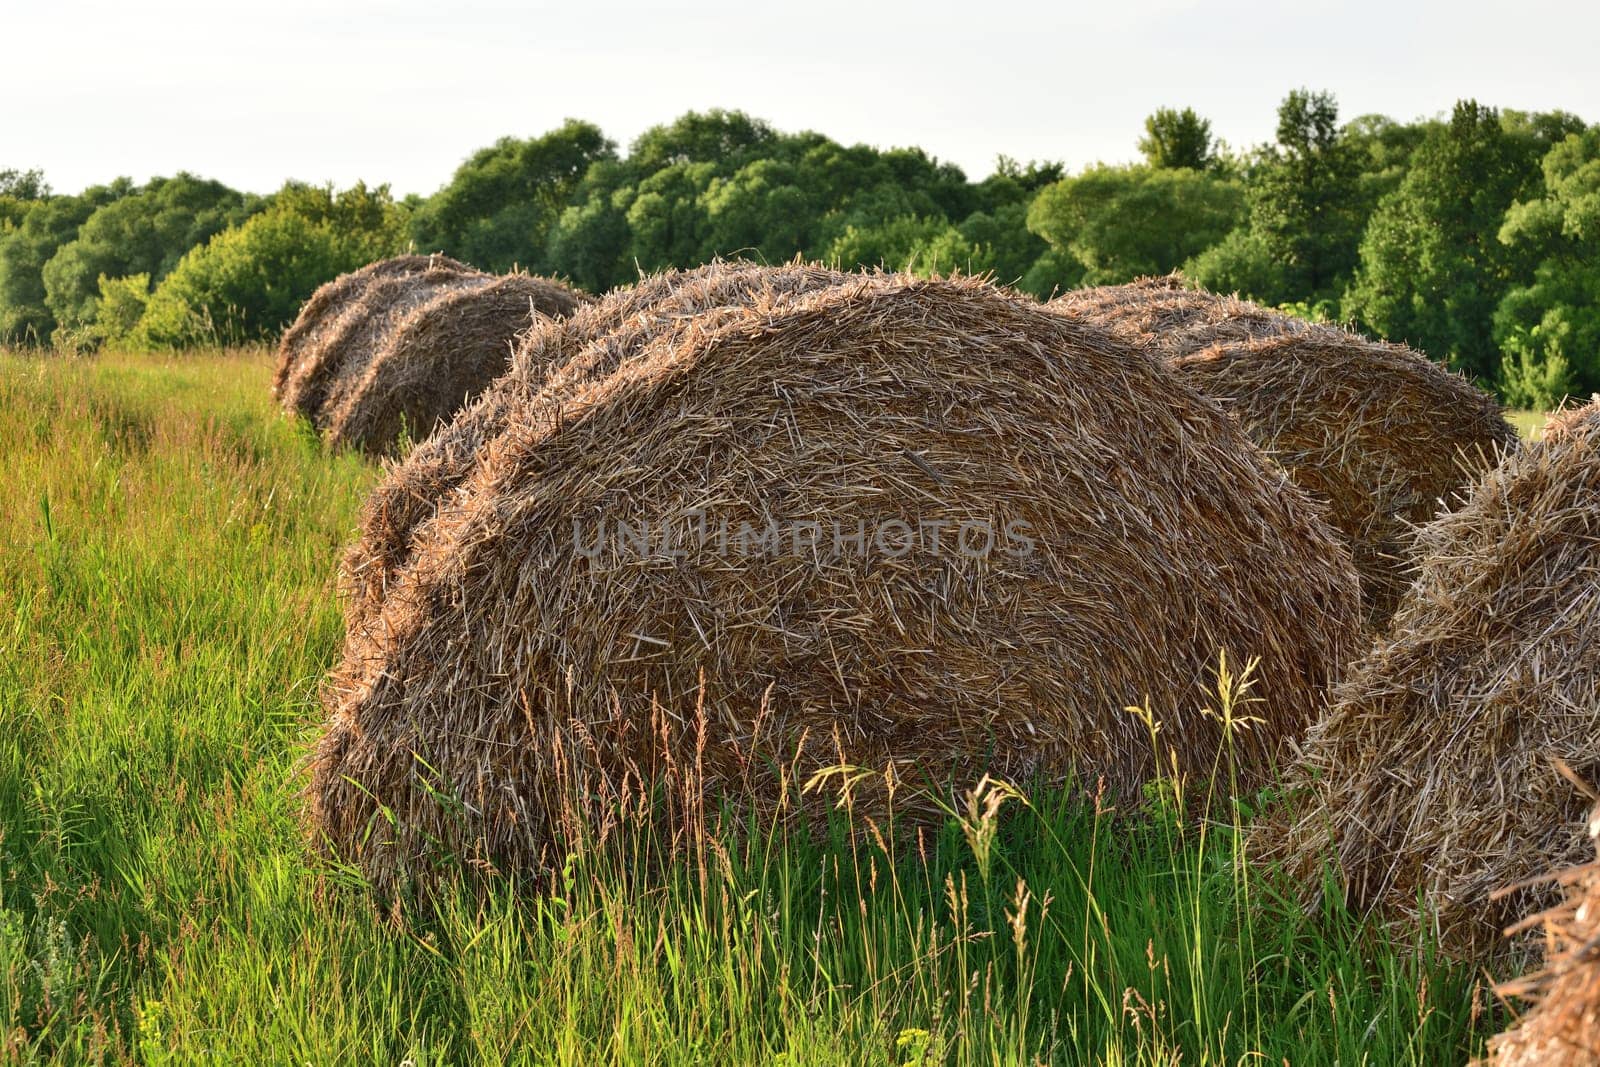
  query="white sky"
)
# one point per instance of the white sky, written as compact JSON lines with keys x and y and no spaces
{"x":401,"y":91}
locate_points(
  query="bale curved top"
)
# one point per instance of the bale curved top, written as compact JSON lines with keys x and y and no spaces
{"x":443,"y":353}
{"x":1168,"y":320}
{"x":332,"y":298}
{"x":1379,"y":433}
{"x":329,"y":369}
{"x":437,"y":467}
{"x":802,"y":468}
{"x":1432,"y":773}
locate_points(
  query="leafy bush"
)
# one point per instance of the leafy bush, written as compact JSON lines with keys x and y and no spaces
{"x":45,"y":226}
{"x":1123,"y":222}
{"x":122,"y":303}
{"x":1432,"y":271}
{"x":249,"y":281}
{"x":1554,"y":321}
{"x":145,"y":232}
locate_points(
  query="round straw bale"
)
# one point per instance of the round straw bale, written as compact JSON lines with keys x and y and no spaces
{"x":436,"y":467}
{"x":891,"y":523}
{"x":1381,"y":435}
{"x":1562,"y":1028}
{"x":328,"y":371}
{"x":1432,"y":778}
{"x":441,"y":355}
{"x":1169,"y":320}
{"x":332,"y":298}
{"x":1377,"y":432}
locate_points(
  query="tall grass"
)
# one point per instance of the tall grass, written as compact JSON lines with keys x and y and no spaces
{"x":166,"y":612}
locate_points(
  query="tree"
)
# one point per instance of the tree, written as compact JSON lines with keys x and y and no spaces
{"x":667,"y":217}
{"x":589,"y":243}
{"x":1384,"y":148}
{"x":23,"y":184}
{"x":722,"y":183}
{"x":761,"y":211}
{"x":1123,"y":222}
{"x":1306,"y":212}
{"x":249,"y":281}
{"x":1243,"y":262}
{"x":145,"y":232}
{"x":1177,"y":139}
{"x":1002,"y":243}
{"x":905,"y":243}
{"x":24,"y":250}
{"x":501,"y":204}
{"x":122,"y":303}
{"x":1432,"y":268}
{"x":729,"y":138}
{"x":19,"y":191}
{"x":1549,"y":329}
{"x":1017,"y":183}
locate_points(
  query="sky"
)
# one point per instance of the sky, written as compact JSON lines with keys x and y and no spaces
{"x":253,"y":93}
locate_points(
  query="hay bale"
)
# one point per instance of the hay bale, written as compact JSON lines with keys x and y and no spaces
{"x":1562,"y":1028}
{"x":517,"y":672}
{"x":1377,"y":432}
{"x":1431,"y":776}
{"x":441,"y":356}
{"x":438,"y":466}
{"x":1382,"y":436}
{"x":330,"y":369}
{"x":1162,"y":316}
{"x":331,"y":299}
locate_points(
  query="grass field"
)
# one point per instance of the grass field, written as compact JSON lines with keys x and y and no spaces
{"x":166,"y":613}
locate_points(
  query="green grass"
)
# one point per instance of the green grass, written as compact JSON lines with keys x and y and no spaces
{"x":166,"y":612}
{"x":1528,"y":423}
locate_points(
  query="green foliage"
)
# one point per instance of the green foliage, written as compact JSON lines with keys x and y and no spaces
{"x":1384,"y":148}
{"x":1242,"y":262}
{"x":723,"y":184}
{"x":1535,"y":374}
{"x":902,"y":243}
{"x":667,"y":219}
{"x":589,"y":241}
{"x":498,"y":210}
{"x":249,"y":281}
{"x":1123,"y":222}
{"x":49,"y":223}
{"x":1446,"y":234}
{"x":145,"y":232}
{"x":1432,"y":269}
{"x":1307,"y":206}
{"x":984,"y":244}
{"x":23,"y":184}
{"x":1001,"y":242}
{"x":122,"y":304}
{"x":1052,"y":273}
{"x":19,"y":190}
{"x":1555,"y":318}
{"x":714,"y":136}
{"x":1175,"y":138}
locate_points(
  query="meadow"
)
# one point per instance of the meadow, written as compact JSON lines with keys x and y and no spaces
{"x":168,"y":547}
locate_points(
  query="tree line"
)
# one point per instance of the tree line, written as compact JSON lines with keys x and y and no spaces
{"x":1474,"y":236}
